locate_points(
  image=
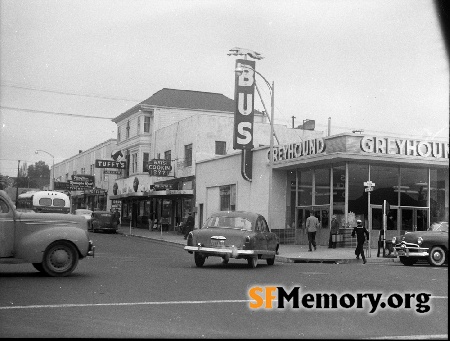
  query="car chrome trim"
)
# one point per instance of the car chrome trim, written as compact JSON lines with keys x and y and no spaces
{"x":232,"y":252}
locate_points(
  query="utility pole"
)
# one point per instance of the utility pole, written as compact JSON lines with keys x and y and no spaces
{"x":293,"y":124}
{"x":17,"y":181}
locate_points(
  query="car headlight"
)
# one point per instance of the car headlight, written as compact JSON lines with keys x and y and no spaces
{"x":419,"y":240}
{"x":394,"y":239}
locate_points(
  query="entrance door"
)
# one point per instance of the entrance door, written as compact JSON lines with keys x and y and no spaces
{"x":321,"y":213}
{"x":413,"y":219}
{"x":377,"y":225}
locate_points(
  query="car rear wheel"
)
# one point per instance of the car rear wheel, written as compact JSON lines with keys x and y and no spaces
{"x":408,"y":261}
{"x":271,"y":261}
{"x":252,"y":261}
{"x":199,"y":259}
{"x":60,"y":259}
{"x":437,"y":256}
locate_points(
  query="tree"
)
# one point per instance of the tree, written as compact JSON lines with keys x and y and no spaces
{"x":38,"y":175}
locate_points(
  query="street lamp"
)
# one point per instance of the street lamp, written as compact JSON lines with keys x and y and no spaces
{"x":239,"y":70}
{"x":52,"y":183}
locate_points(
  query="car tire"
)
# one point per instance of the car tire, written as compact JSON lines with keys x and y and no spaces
{"x":437,"y":256}
{"x":199,"y":259}
{"x":60,"y":259}
{"x":252,"y":261}
{"x":408,"y":261}
{"x":38,"y":267}
{"x":271,"y":261}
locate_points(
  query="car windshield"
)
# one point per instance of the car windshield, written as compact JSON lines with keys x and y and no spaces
{"x":443,"y":227}
{"x":229,"y":222}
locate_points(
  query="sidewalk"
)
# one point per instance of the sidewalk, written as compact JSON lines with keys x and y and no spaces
{"x":287,"y":253}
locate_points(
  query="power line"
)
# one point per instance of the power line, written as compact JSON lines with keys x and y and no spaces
{"x":54,"y":113}
{"x":12,"y":85}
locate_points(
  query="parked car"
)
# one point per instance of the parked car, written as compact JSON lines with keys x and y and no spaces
{"x":104,"y":221}
{"x":87,"y":214}
{"x":52,"y":242}
{"x":430,"y":245}
{"x":239,"y":235}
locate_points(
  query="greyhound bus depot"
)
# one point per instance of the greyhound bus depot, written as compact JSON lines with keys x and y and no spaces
{"x":349,"y":175}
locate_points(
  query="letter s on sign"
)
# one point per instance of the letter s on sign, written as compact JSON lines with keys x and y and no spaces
{"x":246,"y":133}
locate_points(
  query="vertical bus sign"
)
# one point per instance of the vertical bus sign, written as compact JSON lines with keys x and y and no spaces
{"x":244,"y":99}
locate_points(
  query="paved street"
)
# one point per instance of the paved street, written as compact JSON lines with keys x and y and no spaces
{"x":136,"y":287}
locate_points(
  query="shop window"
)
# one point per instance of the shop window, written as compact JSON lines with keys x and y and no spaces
{"x":228,"y":198}
{"x":146,"y":124}
{"x":145,"y":157}
{"x":188,"y":155}
{"x":413,"y":187}
{"x":305,"y":188}
{"x":439,"y":182}
{"x":168,"y":155}
{"x":134,"y":162}
{"x":386,"y":179}
{"x":322,"y":186}
{"x":357,"y":195}
{"x":338,"y":187}
{"x":221,"y":148}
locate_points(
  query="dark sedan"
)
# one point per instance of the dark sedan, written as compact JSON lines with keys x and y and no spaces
{"x":430,"y":245}
{"x":103,"y":221}
{"x":239,"y":235}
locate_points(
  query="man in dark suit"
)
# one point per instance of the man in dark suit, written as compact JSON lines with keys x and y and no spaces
{"x":360,"y":232}
{"x":189,"y":225}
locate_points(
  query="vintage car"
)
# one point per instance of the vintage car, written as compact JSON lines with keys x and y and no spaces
{"x":238,"y":234}
{"x":430,"y":245}
{"x":52,"y":242}
{"x":87,"y":214}
{"x":105,"y":221}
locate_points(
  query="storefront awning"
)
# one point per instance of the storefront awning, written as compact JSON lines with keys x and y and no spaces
{"x":163,"y":193}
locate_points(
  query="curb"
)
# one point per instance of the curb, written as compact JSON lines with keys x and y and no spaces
{"x":284,"y":259}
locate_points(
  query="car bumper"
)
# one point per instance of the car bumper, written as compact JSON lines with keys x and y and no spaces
{"x":405,"y":252}
{"x":91,"y":249}
{"x":227,"y":251}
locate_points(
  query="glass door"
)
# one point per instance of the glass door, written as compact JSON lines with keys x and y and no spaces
{"x":413,"y":219}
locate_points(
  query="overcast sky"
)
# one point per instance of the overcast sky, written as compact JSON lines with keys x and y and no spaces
{"x":376,"y":65}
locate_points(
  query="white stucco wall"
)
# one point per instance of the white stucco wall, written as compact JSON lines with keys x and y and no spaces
{"x":250,"y":196}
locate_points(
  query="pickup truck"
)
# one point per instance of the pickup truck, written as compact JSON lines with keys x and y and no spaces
{"x":52,"y":242}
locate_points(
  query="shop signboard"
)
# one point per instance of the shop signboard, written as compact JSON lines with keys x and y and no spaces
{"x":110,"y":164}
{"x":82,"y":182}
{"x":62,"y":186}
{"x":159,"y":167}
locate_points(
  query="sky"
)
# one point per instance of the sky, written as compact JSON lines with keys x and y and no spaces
{"x":70,"y":66}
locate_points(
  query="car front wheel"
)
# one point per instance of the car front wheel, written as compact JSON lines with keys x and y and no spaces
{"x":408,"y":261}
{"x":60,"y":259}
{"x":437,"y":256}
{"x":252,"y":261}
{"x":199,"y":259}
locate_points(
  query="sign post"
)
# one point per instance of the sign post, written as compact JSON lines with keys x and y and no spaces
{"x":369,"y":188}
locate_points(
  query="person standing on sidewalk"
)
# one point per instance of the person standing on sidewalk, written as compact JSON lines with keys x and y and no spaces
{"x":333,"y":231}
{"x":311,"y":226}
{"x":189,"y":225}
{"x":360,"y":232}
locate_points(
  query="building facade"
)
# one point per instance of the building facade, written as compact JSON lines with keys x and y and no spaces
{"x":83,"y":164}
{"x":333,"y":176}
{"x":180,"y":128}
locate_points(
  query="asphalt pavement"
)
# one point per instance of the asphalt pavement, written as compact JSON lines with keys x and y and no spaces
{"x":287,"y":253}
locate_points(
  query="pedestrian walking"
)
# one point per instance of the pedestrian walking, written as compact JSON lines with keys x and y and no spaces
{"x":188,"y":225}
{"x":333,"y":232}
{"x":312,"y":223}
{"x":360,"y":232}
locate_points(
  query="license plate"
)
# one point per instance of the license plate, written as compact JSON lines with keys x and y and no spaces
{"x":217,"y":243}
{"x":401,"y":253}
